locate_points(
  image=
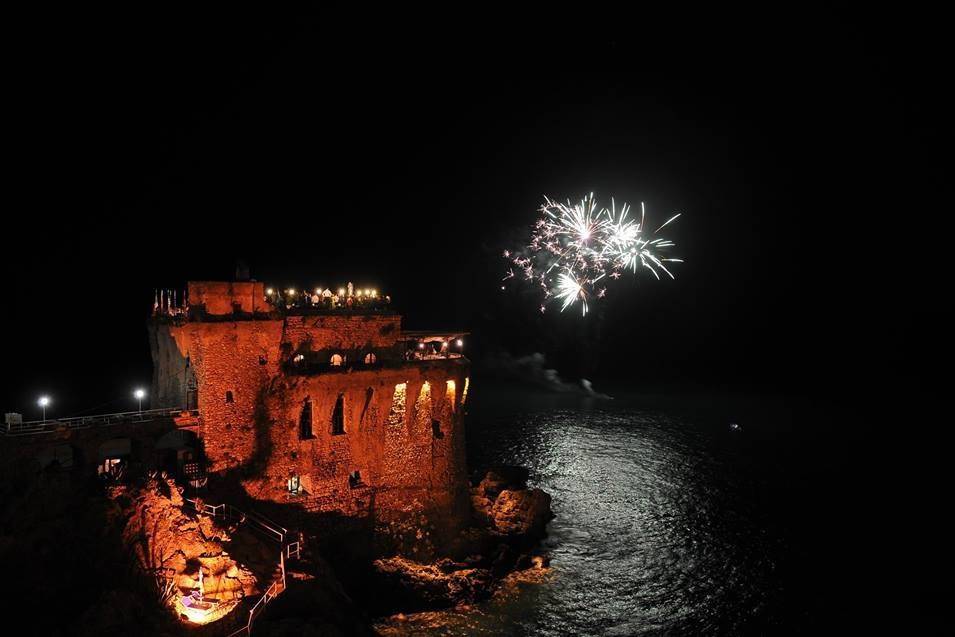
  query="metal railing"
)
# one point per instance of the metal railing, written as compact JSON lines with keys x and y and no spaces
{"x":271,"y":593}
{"x":274,"y":531}
{"x":35,"y":427}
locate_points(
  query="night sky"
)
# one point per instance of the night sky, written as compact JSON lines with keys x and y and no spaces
{"x":804,"y":151}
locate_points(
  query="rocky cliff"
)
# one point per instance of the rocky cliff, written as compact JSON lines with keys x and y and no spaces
{"x":508,"y":521}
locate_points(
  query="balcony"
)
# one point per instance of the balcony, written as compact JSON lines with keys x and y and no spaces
{"x":313,"y":364}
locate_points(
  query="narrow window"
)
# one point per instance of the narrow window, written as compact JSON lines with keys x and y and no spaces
{"x":354,"y":479}
{"x":369,"y":394}
{"x":436,"y":428}
{"x":370,"y":358}
{"x":294,"y":485}
{"x":338,"y":416}
{"x":229,"y":398}
{"x":305,"y":421}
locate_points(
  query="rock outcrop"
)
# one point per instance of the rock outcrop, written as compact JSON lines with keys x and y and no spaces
{"x":416,"y":586}
{"x":509,"y":521}
{"x":523,"y":513}
{"x":174,"y":545}
{"x":503,"y":503}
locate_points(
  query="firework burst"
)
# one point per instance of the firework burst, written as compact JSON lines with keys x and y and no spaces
{"x":573,"y":247}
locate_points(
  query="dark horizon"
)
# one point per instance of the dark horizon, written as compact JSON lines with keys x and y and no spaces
{"x":803,"y":156}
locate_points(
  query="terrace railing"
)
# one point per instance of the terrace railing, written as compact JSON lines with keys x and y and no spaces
{"x":36,"y":427}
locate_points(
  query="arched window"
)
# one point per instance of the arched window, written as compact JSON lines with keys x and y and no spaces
{"x":305,"y":421}
{"x":229,"y":398}
{"x":336,"y":360}
{"x":370,"y":358}
{"x":299,"y":358}
{"x":338,"y":416}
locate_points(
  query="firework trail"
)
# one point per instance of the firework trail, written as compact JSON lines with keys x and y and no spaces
{"x":572,"y":248}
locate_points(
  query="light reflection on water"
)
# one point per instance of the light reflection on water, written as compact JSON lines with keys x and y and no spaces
{"x":658,"y":526}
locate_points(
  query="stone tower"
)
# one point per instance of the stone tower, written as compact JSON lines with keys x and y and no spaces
{"x":326,"y":405}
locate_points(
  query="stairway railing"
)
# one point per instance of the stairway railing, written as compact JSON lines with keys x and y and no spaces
{"x":272,"y":530}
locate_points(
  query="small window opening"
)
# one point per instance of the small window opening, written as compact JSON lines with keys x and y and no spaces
{"x":229,"y":398}
{"x":354,"y":479}
{"x":370,"y":358}
{"x":305,"y":421}
{"x":436,"y":428}
{"x":336,"y":360}
{"x":295,"y":485}
{"x":338,"y":416}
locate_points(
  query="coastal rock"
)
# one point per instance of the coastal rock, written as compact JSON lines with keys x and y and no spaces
{"x":503,"y":477}
{"x":525,"y":512}
{"x":504,"y":505}
{"x":422,"y":586}
{"x":168,"y":542}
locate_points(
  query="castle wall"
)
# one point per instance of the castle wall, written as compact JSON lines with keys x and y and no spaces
{"x":171,"y":371}
{"x":233,"y":363}
{"x":351,"y":335}
{"x":405,"y":460}
{"x":223,"y":297}
{"x":403,"y":430}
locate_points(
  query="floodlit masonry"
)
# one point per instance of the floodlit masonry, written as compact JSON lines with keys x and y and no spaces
{"x":336,"y":410}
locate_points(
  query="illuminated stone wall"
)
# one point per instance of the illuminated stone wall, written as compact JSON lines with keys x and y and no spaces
{"x":351,"y":336}
{"x":403,"y":429}
{"x":233,"y":362}
{"x":223,"y":297}
{"x":404,"y":459}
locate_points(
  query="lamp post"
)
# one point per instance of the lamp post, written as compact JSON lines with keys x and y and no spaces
{"x":139,"y":394}
{"x":43,"y":402}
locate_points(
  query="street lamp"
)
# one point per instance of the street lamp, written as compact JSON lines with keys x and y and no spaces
{"x":43,"y":402}
{"x":139,"y":394}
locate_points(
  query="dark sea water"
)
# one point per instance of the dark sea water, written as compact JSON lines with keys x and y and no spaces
{"x":669,"y":521}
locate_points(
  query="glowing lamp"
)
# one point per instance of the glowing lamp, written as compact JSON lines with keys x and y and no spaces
{"x":420,"y":345}
{"x":291,"y":291}
{"x":43,"y":402}
{"x":139,"y":394}
{"x":459,"y":343}
{"x":269,"y":291}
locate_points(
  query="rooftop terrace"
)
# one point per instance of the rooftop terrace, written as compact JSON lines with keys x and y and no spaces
{"x":216,"y":300}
